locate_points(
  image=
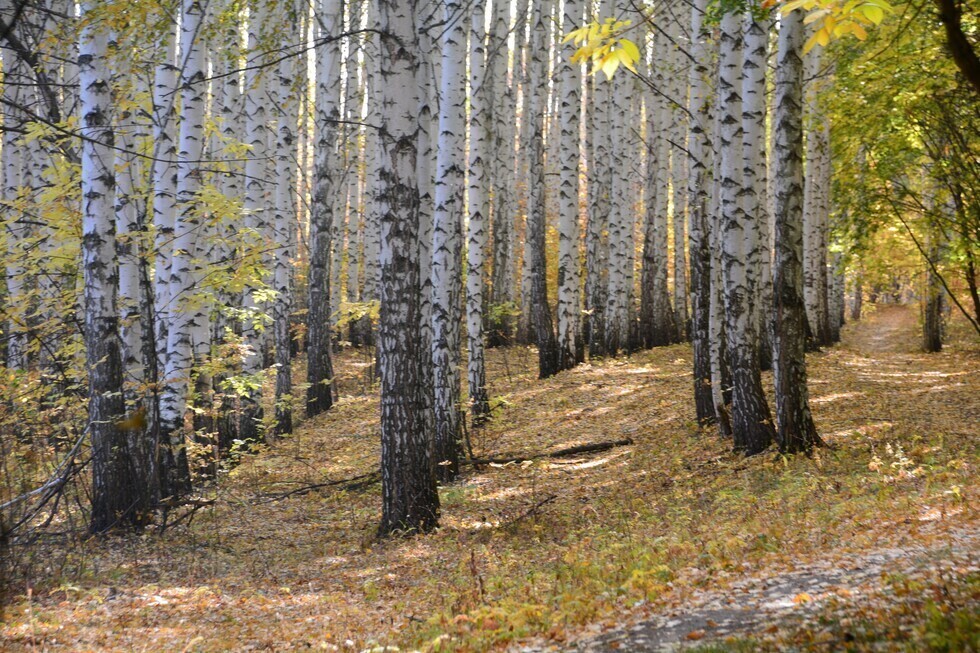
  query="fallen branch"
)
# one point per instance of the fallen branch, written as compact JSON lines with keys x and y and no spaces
{"x":530,"y":511}
{"x":561,"y":453}
{"x":354,"y":483}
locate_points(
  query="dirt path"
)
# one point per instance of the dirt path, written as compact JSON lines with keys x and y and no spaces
{"x":787,"y":600}
{"x":888,"y":329}
{"x":881,"y":353}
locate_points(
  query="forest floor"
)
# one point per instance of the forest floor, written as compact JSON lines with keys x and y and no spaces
{"x":869,"y":544}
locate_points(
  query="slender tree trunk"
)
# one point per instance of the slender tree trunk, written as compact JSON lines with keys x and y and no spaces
{"x":319,"y":371}
{"x":284,"y":228}
{"x":409,"y":499}
{"x":815,"y":202}
{"x":12,"y":160}
{"x":188,"y":322}
{"x":537,"y":301}
{"x":657,"y":323}
{"x":932,"y":304}
{"x":858,"y":300}
{"x":679,"y":172}
{"x":478,"y":211}
{"x":447,"y":242}
{"x":570,"y":350}
{"x":698,"y":240}
{"x":796,"y":432}
{"x":754,"y":170}
{"x":503,"y":208}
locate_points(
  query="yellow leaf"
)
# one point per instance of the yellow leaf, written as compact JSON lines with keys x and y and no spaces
{"x":873,"y":13}
{"x":802,"y":597}
{"x":609,"y":66}
{"x":630,"y":48}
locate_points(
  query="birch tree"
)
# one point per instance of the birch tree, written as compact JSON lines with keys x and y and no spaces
{"x":796,"y":431}
{"x":751,"y":421}
{"x":187,"y":337}
{"x":570,"y":346}
{"x":698,"y":242}
{"x":537,"y":302}
{"x":447,"y":240}
{"x":657,"y":325}
{"x":478,"y":211}
{"x":319,"y":371}
{"x":409,"y":499}
{"x":119,"y":497}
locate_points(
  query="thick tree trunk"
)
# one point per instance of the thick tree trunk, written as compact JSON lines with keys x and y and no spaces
{"x":751,"y":421}
{"x":796,"y":432}
{"x":409,"y":499}
{"x":119,"y":495}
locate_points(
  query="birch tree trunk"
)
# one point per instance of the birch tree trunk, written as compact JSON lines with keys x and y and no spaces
{"x":657,"y":324}
{"x":751,"y":420}
{"x":409,"y":499}
{"x":119,"y":497}
{"x":504,"y":196}
{"x":698,"y":242}
{"x":372,"y":154}
{"x":164,"y":179}
{"x":426,"y":16}
{"x":319,"y":371}
{"x":256,"y":218}
{"x":796,"y":430}
{"x":447,"y":241}
{"x":815,"y":203}
{"x":720,"y":376}
{"x":537,"y":302}
{"x":570,"y":349}
{"x":478,"y":210}
{"x":620,"y":281}
{"x":188,"y":330}
{"x":285,"y":229}
{"x":16,"y":231}
{"x":679,"y":173}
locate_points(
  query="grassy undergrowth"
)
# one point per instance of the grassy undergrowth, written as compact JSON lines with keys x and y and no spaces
{"x":551,"y":549}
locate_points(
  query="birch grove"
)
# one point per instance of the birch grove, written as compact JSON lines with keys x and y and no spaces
{"x":438,"y":191}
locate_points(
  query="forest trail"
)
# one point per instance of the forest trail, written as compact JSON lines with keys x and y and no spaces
{"x":563,"y":554}
{"x":820,"y":591}
{"x":762,"y":610}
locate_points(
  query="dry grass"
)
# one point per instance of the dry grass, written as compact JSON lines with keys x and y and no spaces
{"x":537,"y":549}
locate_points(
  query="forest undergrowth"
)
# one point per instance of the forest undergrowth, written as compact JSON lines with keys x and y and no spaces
{"x":286,"y":556}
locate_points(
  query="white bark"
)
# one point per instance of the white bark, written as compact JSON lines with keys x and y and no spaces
{"x":410,"y":501}
{"x":447,"y":239}
{"x":570,"y":351}
{"x":188,"y":335}
{"x":478,"y":211}
{"x":504,"y":195}
{"x":319,"y":396}
{"x":15,"y":231}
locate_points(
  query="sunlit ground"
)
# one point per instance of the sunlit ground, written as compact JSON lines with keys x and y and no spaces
{"x":531,"y":549}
